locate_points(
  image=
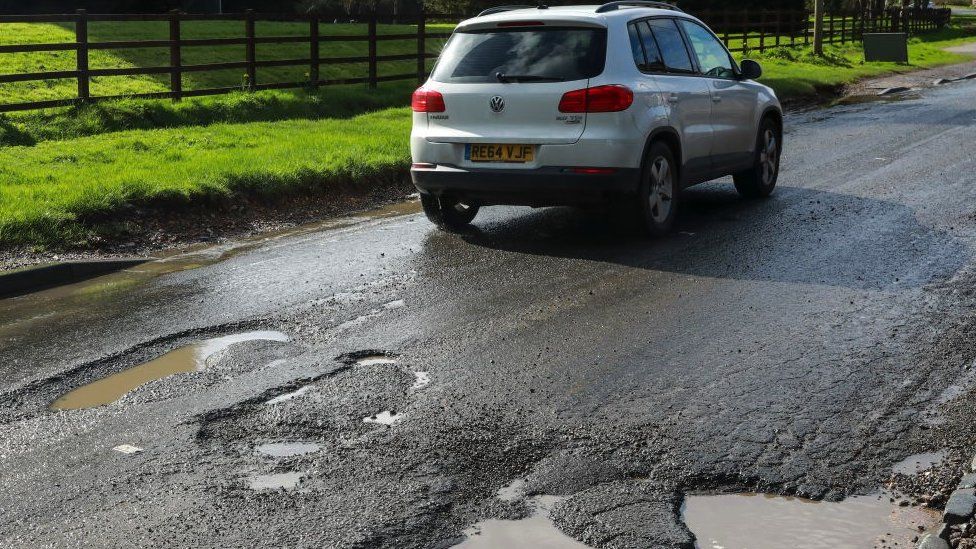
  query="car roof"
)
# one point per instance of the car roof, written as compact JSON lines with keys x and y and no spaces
{"x":582,"y":14}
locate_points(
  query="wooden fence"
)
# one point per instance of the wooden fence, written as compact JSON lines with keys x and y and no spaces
{"x":176,"y":45}
{"x":742,"y":31}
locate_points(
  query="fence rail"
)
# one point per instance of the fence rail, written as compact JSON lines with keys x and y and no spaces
{"x":742,"y":31}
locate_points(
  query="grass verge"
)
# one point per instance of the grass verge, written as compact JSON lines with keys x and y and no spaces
{"x":51,"y":193}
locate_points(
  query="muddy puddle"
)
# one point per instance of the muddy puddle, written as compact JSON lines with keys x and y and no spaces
{"x":919,"y":462}
{"x":536,"y":531}
{"x":184,"y":359}
{"x":764,"y":521}
{"x":287,"y":449}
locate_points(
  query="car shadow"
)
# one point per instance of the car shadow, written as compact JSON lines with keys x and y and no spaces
{"x":798,"y":235}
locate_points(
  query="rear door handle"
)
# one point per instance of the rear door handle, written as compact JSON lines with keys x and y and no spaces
{"x":716,"y":99}
{"x":673,"y":98}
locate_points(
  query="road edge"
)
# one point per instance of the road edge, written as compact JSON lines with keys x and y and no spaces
{"x":38,"y":277}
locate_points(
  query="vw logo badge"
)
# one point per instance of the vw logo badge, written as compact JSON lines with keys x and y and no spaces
{"x":496,"y":103}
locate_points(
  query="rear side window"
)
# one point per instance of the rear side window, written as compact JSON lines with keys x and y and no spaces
{"x":646,"y":53}
{"x":671,"y":44}
{"x":553,"y":54}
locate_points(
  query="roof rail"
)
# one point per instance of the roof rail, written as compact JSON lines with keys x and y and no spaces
{"x":613,"y":6}
{"x":499,"y":9}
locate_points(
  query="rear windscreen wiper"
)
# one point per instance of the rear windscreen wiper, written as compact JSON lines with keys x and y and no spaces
{"x":505,"y":78}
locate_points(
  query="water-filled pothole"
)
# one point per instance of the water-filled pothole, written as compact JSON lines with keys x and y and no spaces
{"x":287,"y":449}
{"x":185,"y":359}
{"x":276,"y":481}
{"x":384,"y":418}
{"x":375,"y":360}
{"x":288,"y":396}
{"x":919,"y":462}
{"x":730,"y":521}
{"x":536,"y":531}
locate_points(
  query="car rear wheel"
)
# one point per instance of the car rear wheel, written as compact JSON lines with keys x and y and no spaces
{"x":659,"y":192}
{"x":760,"y":180}
{"x":448,"y":213}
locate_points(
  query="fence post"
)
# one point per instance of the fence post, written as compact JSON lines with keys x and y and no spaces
{"x":422,"y":47}
{"x":313,"y":47}
{"x":830,"y":28}
{"x":818,"y":9}
{"x":762,"y":31}
{"x":843,"y":27}
{"x":372,"y":51}
{"x":175,"y":57}
{"x":778,"y":28}
{"x":81,"y":38}
{"x":792,"y":26}
{"x":252,"y":76}
{"x":745,"y":32}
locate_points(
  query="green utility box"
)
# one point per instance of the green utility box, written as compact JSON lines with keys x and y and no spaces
{"x":886,"y":46}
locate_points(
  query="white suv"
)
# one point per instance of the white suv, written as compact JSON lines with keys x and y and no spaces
{"x":628,"y":102}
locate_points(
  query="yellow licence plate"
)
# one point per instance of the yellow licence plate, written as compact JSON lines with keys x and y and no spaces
{"x":490,"y":152}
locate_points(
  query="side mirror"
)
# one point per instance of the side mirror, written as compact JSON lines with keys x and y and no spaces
{"x":750,"y":69}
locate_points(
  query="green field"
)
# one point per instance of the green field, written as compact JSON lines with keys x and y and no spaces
{"x":36,"y":33}
{"x":74,"y":163}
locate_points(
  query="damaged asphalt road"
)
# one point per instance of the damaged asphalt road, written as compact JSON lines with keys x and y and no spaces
{"x":799,"y":345}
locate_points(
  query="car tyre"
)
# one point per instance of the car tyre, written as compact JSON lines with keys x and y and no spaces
{"x":760,"y":180}
{"x":447,"y":213}
{"x":660,"y":190}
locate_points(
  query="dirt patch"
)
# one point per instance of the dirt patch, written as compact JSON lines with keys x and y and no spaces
{"x":915,"y":79}
{"x":149,"y":229}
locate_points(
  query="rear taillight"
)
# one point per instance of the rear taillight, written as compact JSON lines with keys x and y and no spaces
{"x":611,"y":98}
{"x":427,"y":101}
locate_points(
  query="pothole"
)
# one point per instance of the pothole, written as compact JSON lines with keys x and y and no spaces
{"x":536,"y":531}
{"x":289,"y":396}
{"x":368,"y":357}
{"x":421,"y":380}
{"x":732,"y":521}
{"x":184,"y":359}
{"x":383,"y":418}
{"x":287,"y":449}
{"x":275,"y":481}
{"x":919,"y":462}
{"x":512,"y":492}
{"x":375,"y":360}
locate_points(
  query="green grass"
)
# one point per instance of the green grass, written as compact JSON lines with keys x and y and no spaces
{"x":47,"y":190}
{"x":32,"y":127}
{"x":33,"y":33}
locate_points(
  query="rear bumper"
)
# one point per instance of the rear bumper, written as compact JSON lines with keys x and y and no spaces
{"x":548,"y":186}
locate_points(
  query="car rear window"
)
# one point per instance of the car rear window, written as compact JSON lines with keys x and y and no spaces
{"x":523,"y":55}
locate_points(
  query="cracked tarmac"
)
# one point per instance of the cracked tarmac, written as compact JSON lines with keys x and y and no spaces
{"x":801,"y":345}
